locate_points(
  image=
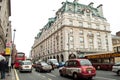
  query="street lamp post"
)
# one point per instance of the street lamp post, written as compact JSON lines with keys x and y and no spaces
{"x":14,"y":36}
{"x":10,"y":58}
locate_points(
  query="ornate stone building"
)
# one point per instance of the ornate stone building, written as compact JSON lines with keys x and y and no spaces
{"x":116,"y":39}
{"x":116,"y":42}
{"x":75,"y":31}
{"x":5,"y":24}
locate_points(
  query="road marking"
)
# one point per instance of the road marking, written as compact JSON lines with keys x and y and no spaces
{"x":104,"y":78}
{"x":49,"y":79}
{"x":51,"y":75}
{"x":43,"y":76}
{"x":16,"y":75}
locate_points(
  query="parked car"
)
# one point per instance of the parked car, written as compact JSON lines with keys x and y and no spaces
{"x":78,"y":68}
{"x":25,"y":66}
{"x":34,"y":64}
{"x":116,"y":68}
{"x":43,"y":66}
{"x":53,"y":62}
{"x":61,"y":64}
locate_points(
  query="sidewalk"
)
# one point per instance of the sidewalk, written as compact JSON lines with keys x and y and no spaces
{"x":11,"y":75}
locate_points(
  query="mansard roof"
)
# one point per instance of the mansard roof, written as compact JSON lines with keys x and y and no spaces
{"x":78,"y":8}
{"x":75,"y":8}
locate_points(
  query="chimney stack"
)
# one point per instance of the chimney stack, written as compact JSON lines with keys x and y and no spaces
{"x":100,"y":10}
{"x":91,"y":4}
{"x":76,"y":1}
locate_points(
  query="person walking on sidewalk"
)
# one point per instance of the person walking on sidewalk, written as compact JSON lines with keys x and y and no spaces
{"x":3,"y":66}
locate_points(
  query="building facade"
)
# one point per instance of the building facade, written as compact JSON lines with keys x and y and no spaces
{"x":5,"y":24}
{"x":116,"y":44}
{"x":75,"y":31}
{"x":116,"y":39}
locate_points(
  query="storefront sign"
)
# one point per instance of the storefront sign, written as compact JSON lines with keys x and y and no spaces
{"x":109,"y":55}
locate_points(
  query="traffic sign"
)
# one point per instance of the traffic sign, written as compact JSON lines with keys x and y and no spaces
{"x":7,"y":51}
{"x":8,"y":44}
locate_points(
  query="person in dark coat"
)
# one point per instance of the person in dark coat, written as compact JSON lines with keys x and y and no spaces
{"x":52,"y":65}
{"x":3,"y":66}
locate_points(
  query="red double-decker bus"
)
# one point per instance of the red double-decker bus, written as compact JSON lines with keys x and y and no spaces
{"x":20,"y":56}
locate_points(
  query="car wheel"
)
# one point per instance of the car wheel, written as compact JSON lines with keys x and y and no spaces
{"x":40,"y":70}
{"x":20,"y":71}
{"x":36,"y":69}
{"x":75,"y":76}
{"x":118,"y":73}
{"x":49,"y":71}
{"x":90,"y":78}
{"x":30,"y":71}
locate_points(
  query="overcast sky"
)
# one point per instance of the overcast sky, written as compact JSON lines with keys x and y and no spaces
{"x":29,"y":16}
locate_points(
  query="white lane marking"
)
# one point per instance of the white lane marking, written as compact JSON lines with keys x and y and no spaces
{"x":51,"y":75}
{"x":43,"y":76}
{"x":104,"y":78}
{"x":49,"y":79}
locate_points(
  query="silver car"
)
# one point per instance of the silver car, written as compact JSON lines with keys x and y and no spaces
{"x":25,"y":66}
{"x":116,"y":68}
{"x":43,"y":66}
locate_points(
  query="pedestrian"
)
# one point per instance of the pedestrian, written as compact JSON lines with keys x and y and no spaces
{"x":52,"y":65}
{"x":7,"y":67}
{"x":12,"y":65}
{"x":3,"y":66}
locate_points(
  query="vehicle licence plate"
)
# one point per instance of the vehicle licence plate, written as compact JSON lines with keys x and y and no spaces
{"x":26,"y":66}
{"x":89,"y":72}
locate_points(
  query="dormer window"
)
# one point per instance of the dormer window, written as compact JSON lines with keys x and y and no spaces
{"x":88,"y":12}
{"x":70,"y":8}
{"x":79,"y":10}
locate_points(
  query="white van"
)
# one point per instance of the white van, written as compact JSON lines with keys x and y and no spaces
{"x":116,"y":68}
{"x":53,"y":61}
